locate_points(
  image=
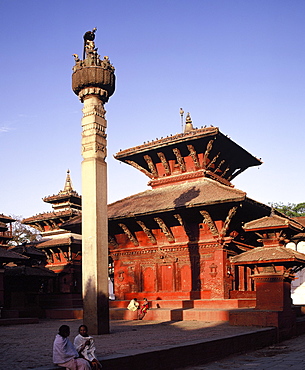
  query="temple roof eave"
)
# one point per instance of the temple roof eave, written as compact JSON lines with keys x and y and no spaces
{"x":159,"y":143}
{"x":7,"y":255}
{"x":177,"y":209}
{"x":267,"y":255}
{"x":6,"y":219}
{"x":273,"y":222}
{"x":238,"y":157}
{"x":199,"y":193}
{"x":50,"y":216}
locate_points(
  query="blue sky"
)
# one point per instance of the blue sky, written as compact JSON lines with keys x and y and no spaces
{"x":236,"y":64}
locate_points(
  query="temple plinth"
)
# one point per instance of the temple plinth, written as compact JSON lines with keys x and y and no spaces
{"x":93,"y":81}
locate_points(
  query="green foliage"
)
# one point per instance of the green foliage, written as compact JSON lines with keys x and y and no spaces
{"x":290,"y":209}
{"x":22,"y":233}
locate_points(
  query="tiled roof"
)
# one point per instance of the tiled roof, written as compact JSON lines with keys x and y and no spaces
{"x":27,"y":250}
{"x":7,"y":255}
{"x":29,"y":271}
{"x":300,"y":219}
{"x":58,"y":242}
{"x":268,"y":255}
{"x":73,"y":221}
{"x":273,"y":221}
{"x":50,"y":215}
{"x":190,"y":194}
{"x":6,"y":219}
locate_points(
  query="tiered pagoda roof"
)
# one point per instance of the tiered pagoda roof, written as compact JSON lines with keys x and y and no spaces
{"x":66,"y":205}
{"x":196,"y":153}
{"x":67,"y":198}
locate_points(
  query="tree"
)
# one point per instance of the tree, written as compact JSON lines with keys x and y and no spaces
{"x":22,"y":233}
{"x":290,"y":209}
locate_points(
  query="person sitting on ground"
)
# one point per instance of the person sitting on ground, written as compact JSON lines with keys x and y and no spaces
{"x":64,"y":352}
{"x":133,"y":305}
{"x":84,"y":345}
{"x":143,"y":309}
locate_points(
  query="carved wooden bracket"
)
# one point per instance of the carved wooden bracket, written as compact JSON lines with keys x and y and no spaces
{"x":167,"y":232}
{"x":228,"y":219}
{"x":50,"y":258}
{"x":54,"y":225}
{"x":165,"y":163}
{"x":65,"y":255}
{"x":135,"y":165}
{"x":224,"y":172}
{"x":56,"y":255}
{"x":112,"y":241}
{"x":38,"y":227}
{"x":147,"y":232}
{"x":194,"y":156}
{"x":180,"y":159}
{"x":213,"y":160}
{"x":208,"y":221}
{"x":132,"y":238}
{"x":207,"y":152}
{"x":151,"y":165}
{"x":220,"y":164}
{"x":186,"y":228}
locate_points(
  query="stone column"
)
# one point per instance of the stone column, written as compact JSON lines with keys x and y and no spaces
{"x":93,"y":81}
{"x":94,"y":217}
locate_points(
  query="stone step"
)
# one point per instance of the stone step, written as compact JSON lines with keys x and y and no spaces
{"x":186,"y":304}
{"x":163,"y":314}
{"x":165,"y":310}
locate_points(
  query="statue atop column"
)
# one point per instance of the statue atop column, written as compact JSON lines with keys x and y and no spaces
{"x":92,"y":75}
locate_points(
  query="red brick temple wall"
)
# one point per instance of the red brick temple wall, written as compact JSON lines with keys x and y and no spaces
{"x":169,"y":270}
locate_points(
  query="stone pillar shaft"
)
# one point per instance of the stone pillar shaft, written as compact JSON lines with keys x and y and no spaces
{"x":94,"y":217}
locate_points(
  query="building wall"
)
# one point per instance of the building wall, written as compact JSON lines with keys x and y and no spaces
{"x":180,"y":269}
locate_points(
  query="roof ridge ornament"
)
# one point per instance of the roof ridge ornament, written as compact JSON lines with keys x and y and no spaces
{"x":188,"y":123}
{"x":68,"y":184}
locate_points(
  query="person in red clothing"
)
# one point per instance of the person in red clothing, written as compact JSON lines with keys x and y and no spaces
{"x":143,"y":309}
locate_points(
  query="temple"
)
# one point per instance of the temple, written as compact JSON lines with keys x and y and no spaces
{"x":61,"y":247}
{"x":176,"y":239}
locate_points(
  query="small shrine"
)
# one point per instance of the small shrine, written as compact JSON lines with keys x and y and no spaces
{"x":61,"y":247}
{"x":273,"y":268}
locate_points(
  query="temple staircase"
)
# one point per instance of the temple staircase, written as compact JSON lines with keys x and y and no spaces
{"x":171,"y":309}
{"x":179,"y":310}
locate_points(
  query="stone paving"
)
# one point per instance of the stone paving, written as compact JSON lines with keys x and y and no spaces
{"x":30,"y":346}
{"x":289,"y":354}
